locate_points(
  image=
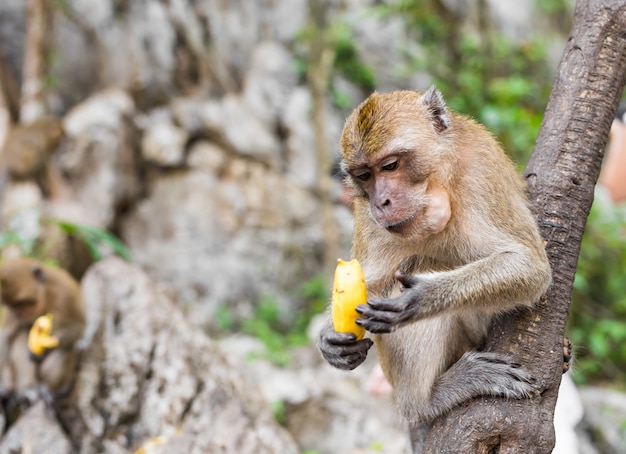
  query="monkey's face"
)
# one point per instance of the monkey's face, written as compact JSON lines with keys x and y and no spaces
{"x":400,"y":200}
{"x":22,"y":288}
{"x":392,"y":150}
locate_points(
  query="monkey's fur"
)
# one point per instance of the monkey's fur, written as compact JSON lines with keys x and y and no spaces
{"x":447,"y":240}
{"x":29,"y":289}
{"x":28,"y":148}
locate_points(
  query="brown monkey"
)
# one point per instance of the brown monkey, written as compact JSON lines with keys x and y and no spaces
{"x":29,"y":289}
{"x":447,"y":241}
{"x":28,"y":147}
{"x":27,"y":152}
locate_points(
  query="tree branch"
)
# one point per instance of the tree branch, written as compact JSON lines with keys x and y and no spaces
{"x":32,"y":103}
{"x":561,"y":173}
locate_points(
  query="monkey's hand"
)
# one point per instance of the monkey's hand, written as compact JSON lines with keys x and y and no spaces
{"x":38,"y":358}
{"x":342,"y":350}
{"x":384,"y":315}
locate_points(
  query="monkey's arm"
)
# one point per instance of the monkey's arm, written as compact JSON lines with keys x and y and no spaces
{"x":68,"y":335}
{"x":492,"y":284}
{"x":8,"y":332}
{"x":342,"y":350}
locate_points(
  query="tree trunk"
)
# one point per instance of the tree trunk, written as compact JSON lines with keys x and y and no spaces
{"x":32,"y":103}
{"x":561,"y":173}
{"x":319,"y":69}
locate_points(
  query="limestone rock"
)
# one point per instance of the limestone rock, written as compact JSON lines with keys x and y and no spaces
{"x":146,"y":373}
{"x":269,"y":82}
{"x":99,"y":161}
{"x":325,"y":409}
{"x":605,"y":415}
{"x":230,"y":236}
{"x":163,"y":143}
{"x":36,"y":431}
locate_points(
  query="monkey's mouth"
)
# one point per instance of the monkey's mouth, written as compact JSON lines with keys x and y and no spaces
{"x":403,"y":226}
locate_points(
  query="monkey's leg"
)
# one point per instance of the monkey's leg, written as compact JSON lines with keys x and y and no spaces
{"x":58,"y":371}
{"x":7,"y":369}
{"x":480,"y":374}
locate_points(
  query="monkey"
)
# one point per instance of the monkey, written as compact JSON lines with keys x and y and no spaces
{"x":26,"y":155}
{"x":29,"y":289}
{"x":27,"y":150}
{"x":447,"y":241}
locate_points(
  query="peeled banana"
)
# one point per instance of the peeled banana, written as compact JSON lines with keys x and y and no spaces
{"x":349,"y":290}
{"x":39,"y":338}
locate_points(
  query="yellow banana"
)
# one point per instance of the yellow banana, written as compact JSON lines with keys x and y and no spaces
{"x":39,"y":338}
{"x":349,"y":290}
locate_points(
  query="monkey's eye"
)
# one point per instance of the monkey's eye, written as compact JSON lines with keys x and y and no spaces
{"x":363,"y":175}
{"x":393,"y":165}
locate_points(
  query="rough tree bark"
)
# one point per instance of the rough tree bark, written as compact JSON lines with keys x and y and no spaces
{"x":320,"y":63}
{"x":561,"y":173}
{"x":32,"y":102}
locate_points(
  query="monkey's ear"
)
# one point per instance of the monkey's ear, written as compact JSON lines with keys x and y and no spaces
{"x":38,"y":273}
{"x":433,"y":99}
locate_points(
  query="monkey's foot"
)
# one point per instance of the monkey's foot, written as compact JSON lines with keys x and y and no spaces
{"x":500,"y":375}
{"x":567,"y":353}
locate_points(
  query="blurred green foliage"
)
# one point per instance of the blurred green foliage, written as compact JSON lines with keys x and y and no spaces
{"x":280,"y":332}
{"x":347,"y":61}
{"x":24,"y":231}
{"x":597,"y":323}
{"x":503,"y":84}
{"x":97,"y":240}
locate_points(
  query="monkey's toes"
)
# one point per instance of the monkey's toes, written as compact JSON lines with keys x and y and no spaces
{"x":567,"y":354}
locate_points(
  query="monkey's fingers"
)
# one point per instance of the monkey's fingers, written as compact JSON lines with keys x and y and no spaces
{"x":375,"y":326}
{"x":379,"y":304}
{"x":359,"y":347}
{"x":341,"y":350}
{"x":330,"y":336}
{"x":348,"y":362}
{"x":377,"y":321}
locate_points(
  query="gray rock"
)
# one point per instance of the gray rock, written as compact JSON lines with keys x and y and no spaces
{"x":326,"y":410}
{"x":226,"y":237}
{"x":230,"y":123}
{"x":147,"y":373}
{"x":36,"y":431}
{"x":99,"y":159}
{"x":269,"y":82}
{"x":163,"y":143}
{"x":605,"y":418}
{"x":301,"y":163}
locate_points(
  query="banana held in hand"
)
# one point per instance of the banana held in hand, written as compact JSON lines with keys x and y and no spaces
{"x":349,"y":290}
{"x":39,"y":338}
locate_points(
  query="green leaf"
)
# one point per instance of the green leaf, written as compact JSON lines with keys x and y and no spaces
{"x":95,"y":239}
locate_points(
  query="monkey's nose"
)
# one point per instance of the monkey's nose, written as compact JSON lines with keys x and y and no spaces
{"x":383,"y":206}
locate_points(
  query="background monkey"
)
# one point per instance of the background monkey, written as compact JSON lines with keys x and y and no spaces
{"x":446,"y":239}
{"x":30,"y":289}
{"x":28,"y":150}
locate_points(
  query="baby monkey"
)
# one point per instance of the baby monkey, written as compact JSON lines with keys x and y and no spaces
{"x":447,"y":241}
{"x":30,"y":289}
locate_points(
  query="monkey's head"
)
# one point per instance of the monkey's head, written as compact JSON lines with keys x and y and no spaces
{"x":397,"y":152}
{"x":22,"y":288}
